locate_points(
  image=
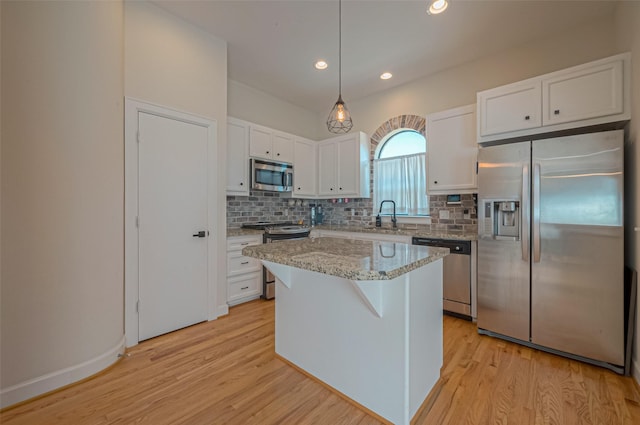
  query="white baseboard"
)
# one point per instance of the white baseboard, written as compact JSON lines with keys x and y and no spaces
{"x":222,"y":310}
{"x":52,"y":381}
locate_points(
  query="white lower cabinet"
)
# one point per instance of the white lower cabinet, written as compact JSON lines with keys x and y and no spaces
{"x":244,"y":274}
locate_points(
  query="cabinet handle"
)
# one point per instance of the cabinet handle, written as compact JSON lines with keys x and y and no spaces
{"x":557,"y":112}
{"x":245,"y":243}
{"x":244,"y":262}
{"x":244,"y":287}
{"x":527,"y":117}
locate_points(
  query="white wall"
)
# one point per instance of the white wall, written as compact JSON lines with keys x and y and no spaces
{"x":259,"y":107}
{"x":458,"y":86}
{"x":62,"y":200}
{"x":628,"y":32}
{"x":171,"y":63}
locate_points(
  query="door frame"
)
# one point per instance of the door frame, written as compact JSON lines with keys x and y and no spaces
{"x":131,"y":273}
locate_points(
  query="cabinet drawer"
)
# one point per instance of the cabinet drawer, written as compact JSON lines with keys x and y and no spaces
{"x":236,"y":243}
{"x":244,"y":286}
{"x":238,"y":264}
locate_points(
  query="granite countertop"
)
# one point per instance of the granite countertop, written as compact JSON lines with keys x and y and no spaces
{"x":347,"y":258}
{"x":239,"y":231}
{"x":386,"y":230}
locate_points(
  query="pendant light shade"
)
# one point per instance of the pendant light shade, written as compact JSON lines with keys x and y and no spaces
{"x":339,"y":120}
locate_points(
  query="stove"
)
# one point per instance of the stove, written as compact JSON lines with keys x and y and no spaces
{"x":275,"y":232}
{"x":280,"y":228}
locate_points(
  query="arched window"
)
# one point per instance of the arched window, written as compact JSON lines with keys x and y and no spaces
{"x":399,"y":173}
{"x":401,"y":142}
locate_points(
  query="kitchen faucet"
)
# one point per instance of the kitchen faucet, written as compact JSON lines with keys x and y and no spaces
{"x":394,"y":220}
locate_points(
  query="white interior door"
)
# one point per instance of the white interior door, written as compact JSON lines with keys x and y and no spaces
{"x":172,"y":208}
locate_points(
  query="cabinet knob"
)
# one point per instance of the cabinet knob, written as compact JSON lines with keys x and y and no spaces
{"x":556,"y":112}
{"x":278,"y":154}
{"x":340,"y":188}
{"x":331,"y":189}
{"x":241,"y":184}
{"x":527,"y":117}
{"x":435,"y":182}
{"x":267,"y":152}
{"x":298,"y":188}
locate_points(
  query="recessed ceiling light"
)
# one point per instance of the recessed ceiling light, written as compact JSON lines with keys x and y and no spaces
{"x":321,"y":64}
{"x":437,"y":6}
{"x":386,"y":76}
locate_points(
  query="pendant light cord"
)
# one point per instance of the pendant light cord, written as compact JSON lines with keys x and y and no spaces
{"x":340,"y":48}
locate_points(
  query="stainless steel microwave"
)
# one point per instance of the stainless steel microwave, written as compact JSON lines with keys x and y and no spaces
{"x":272,"y":176}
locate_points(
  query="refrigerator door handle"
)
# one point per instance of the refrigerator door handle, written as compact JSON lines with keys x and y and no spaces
{"x":526,"y":213}
{"x":536,"y":213}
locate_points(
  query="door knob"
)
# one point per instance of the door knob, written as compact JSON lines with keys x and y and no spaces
{"x":200,"y":234}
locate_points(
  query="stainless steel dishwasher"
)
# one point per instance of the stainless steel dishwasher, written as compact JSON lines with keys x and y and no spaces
{"x":456,"y":274}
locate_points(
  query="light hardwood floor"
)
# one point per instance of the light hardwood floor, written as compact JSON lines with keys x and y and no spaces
{"x":226,"y":372}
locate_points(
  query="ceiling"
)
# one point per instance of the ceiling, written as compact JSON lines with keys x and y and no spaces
{"x":272,"y":45}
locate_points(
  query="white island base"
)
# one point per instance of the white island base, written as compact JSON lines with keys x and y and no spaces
{"x":379,"y":342}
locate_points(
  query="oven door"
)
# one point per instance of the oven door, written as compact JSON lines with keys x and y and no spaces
{"x":268,"y":279}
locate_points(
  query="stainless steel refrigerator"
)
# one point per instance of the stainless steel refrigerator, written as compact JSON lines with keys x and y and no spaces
{"x":550,"y":245}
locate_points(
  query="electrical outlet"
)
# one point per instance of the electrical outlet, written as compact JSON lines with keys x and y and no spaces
{"x":443,"y":214}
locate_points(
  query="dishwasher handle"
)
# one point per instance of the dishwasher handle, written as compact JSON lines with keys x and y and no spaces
{"x":462,"y":247}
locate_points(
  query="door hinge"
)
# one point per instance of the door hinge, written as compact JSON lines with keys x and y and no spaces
{"x":138,"y":136}
{"x":137,"y":221}
{"x":138,"y":306}
{"x":476,"y":167}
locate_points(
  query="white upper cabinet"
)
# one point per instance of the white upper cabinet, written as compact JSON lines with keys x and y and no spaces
{"x":237,"y":157}
{"x":510,"y":108}
{"x":343,"y":167}
{"x":305,"y":169}
{"x":283,"y":147}
{"x":327,"y":169}
{"x":452,"y":151}
{"x":591,"y":94}
{"x":595,"y":91}
{"x":269,"y":144}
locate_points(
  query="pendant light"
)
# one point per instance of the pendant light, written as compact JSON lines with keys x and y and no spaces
{"x":339,"y":120}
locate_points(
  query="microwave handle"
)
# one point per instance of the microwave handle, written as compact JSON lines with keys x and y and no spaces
{"x":287,"y":179}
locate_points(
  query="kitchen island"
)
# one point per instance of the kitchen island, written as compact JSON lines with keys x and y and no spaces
{"x":363,"y":317}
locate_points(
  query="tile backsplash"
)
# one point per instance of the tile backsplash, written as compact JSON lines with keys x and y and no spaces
{"x":279,"y":207}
